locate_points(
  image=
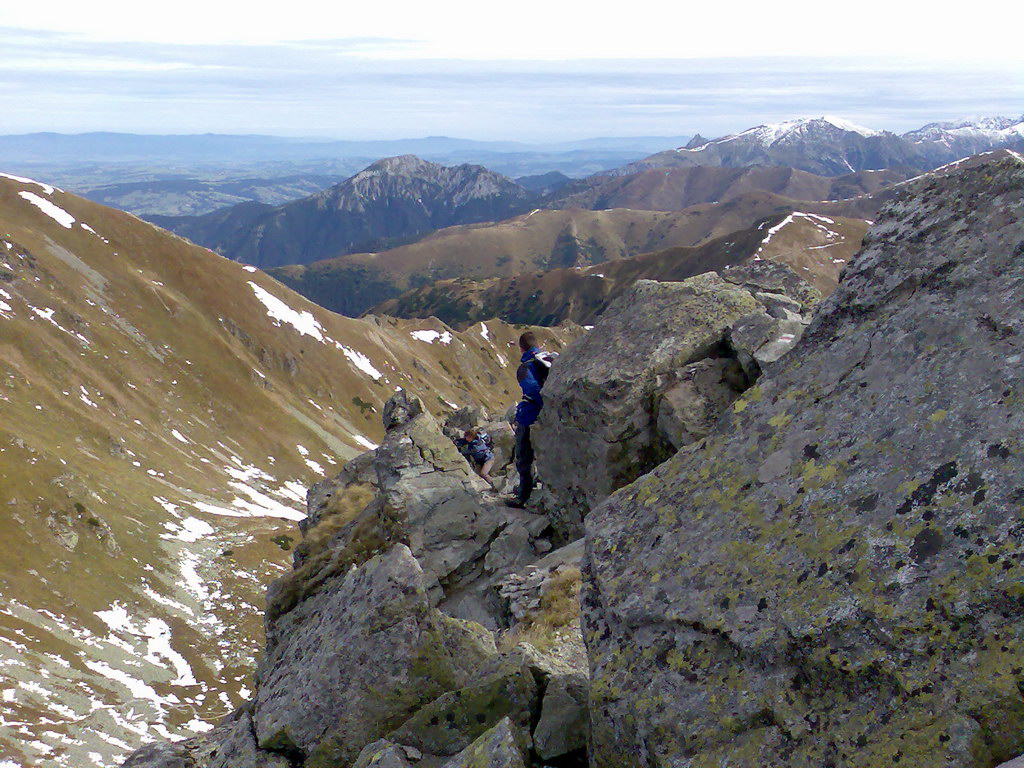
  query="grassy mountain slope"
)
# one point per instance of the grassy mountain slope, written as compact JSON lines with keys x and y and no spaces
{"x":814,"y":246}
{"x":671,"y":189}
{"x":540,"y":240}
{"x":162,"y":410}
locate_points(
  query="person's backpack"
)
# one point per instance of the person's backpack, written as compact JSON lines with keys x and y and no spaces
{"x":541,"y":371}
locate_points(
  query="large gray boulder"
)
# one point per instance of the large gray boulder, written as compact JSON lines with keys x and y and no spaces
{"x":415,"y":488}
{"x":834,"y":577}
{"x":564,"y":723}
{"x":497,"y":748}
{"x":660,"y":365}
{"x":351,"y":662}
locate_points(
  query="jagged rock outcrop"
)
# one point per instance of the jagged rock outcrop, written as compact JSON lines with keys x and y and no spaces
{"x":663,"y":361}
{"x":232,"y":744}
{"x":368,"y":658}
{"x":417,"y":489}
{"x":362,"y":654}
{"x":497,"y":748}
{"x":834,"y":577}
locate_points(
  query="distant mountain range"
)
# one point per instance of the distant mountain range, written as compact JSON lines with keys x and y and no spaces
{"x":671,"y":189}
{"x":392,"y":199}
{"x":87,"y":148}
{"x":538,"y":241}
{"x":403,"y":198}
{"x":831,"y":146}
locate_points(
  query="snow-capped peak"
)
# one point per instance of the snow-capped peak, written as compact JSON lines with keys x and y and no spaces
{"x":994,"y":129}
{"x":770,"y":133}
{"x":846,"y":125}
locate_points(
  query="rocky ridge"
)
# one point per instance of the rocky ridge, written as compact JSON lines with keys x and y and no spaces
{"x":824,"y":572}
{"x":423,"y":612}
{"x":830,"y":578}
{"x":162,"y":411}
{"x":376,"y":644}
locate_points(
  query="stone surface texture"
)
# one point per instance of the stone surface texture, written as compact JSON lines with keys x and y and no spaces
{"x":563,"y":724}
{"x":834,"y":577}
{"x":357,"y":658}
{"x":653,"y":375}
{"x":497,"y":748}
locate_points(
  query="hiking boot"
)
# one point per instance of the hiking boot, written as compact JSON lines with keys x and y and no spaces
{"x":513,"y":501}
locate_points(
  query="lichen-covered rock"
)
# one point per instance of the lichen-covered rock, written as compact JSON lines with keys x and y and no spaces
{"x":564,"y":723}
{"x":835,"y":577}
{"x":497,"y":748}
{"x":781,"y":284}
{"x":356,"y":659}
{"x":415,"y":488}
{"x":450,"y":723}
{"x":599,"y":429}
{"x":383,"y":754}
{"x":233,"y":745}
{"x":401,"y":408}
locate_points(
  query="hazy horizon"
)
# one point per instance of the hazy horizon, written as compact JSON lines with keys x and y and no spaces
{"x":375,"y":88}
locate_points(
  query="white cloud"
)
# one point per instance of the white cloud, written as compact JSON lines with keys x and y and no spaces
{"x":540,"y":29}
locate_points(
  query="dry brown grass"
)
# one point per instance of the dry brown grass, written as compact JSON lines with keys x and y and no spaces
{"x":341,"y":509}
{"x":559,"y":608}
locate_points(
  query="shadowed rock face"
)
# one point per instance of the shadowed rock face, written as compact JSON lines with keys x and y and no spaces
{"x":655,"y":373}
{"x":834,"y":578}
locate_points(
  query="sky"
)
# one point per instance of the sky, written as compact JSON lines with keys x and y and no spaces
{"x":529,"y":71}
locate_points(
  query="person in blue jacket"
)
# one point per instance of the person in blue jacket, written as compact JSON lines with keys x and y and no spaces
{"x":478,"y":448}
{"x":531,"y":374}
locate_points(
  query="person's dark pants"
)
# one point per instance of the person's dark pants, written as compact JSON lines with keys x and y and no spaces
{"x":524,"y":461}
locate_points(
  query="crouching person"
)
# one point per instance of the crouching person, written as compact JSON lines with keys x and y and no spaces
{"x":478,"y":448}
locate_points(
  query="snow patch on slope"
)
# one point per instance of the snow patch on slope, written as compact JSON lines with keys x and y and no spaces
{"x":22,"y":180}
{"x":430,"y":336}
{"x":279,"y":312}
{"x":55,"y":212}
{"x":359,"y":360}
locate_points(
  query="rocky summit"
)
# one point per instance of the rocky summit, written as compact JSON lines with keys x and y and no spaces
{"x":394,"y":198}
{"x":833,"y":577}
